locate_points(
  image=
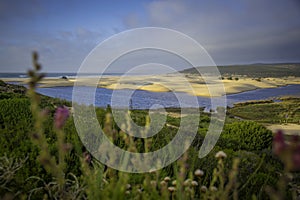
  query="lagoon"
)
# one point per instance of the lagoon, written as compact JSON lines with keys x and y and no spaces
{"x":142,"y":99}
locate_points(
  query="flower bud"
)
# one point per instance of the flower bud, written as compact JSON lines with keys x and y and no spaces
{"x":194,"y":183}
{"x":60,"y":117}
{"x":87,"y":157}
{"x":199,"y":173}
{"x":171,"y":189}
{"x":296,"y":158}
{"x":278,"y":143}
{"x":220,"y":155}
{"x":203,"y":189}
{"x":167,"y":179}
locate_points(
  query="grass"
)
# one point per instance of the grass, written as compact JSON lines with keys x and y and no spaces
{"x":286,"y":111}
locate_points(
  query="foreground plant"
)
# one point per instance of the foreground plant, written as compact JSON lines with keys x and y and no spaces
{"x":289,"y":153}
{"x":61,"y":187}
{"x":8,"y":170}
{"x":223,"y":186}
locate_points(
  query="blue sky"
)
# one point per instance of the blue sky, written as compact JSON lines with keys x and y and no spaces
{"x":64,"y":32}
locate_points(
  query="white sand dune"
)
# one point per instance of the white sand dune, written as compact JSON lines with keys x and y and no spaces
{"x":191,"y":84}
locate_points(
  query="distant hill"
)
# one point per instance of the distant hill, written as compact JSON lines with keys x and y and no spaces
{"x":257,"y":70}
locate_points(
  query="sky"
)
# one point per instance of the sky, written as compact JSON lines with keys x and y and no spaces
{"x":65,"y":32}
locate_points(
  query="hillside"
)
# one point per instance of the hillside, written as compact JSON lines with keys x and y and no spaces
{"x":257,"y":70}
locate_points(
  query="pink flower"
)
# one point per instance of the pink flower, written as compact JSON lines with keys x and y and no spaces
{"x":278,"y":143}
{"x":296,"y":158}
{"x":60,"y":116}
{"x":87,"y":157}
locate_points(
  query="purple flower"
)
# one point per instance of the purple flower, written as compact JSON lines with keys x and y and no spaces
{"x":296,"y":158}
{"x":87,"y":157}
{"x":278,"y":143}
{"x":60,"y":116}
{"x":289,"y":152}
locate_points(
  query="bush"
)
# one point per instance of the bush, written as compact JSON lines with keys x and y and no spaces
{"x":2,"y":83}
{"x":245,"y":135}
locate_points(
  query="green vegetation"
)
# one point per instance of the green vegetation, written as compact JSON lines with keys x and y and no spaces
{"x":246,"y":135}
{"x":285,"y":111}
{"x":42,"y":156}
{"x":257,"y":70}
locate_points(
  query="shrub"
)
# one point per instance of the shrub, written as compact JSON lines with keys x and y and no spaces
{"x":2,"y":83}
{"x":245,"y":135}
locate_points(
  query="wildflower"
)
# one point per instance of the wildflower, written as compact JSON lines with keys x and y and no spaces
{"x":60,"y":117}
{"x":203,"y":189}
{"x":194,"y":183}
{"x":87,"y":157}
{"x":171,"y":189}
{"x":220,"y":155}
{"x":128,"y":186}
{"x":152,"y":170}
{"x":174,"y":182}
{"x":167,"y":179}
{"x":199,"y":173}
{"x":163,"y":183}
{"x":213,"y":189}
{"x":296,"y":158}
{"x":187,"y":182}
{"x":278,"y":143}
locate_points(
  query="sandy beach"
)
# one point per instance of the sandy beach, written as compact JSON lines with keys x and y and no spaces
{"x":289,"y":129}
{"x":188,"y":83}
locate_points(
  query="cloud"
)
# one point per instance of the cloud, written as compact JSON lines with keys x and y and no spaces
{"x":132,"y":20}
{"x":230,"y":30}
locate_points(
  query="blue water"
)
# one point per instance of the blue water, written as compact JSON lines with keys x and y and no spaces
{"x":264,"y":94}
{"x":144,"y":99}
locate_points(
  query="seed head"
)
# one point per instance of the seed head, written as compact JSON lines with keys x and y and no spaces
{"x":199,"y":173}
{"x":167,"y":179}
{"x":128,"y":186}
{"x":174,"y":182}
{"x":220,"y":155}
{"x":163,"y":183}
{"x":187,"y":182}
{"x":171,"y":189}
{"x":194,"y":183}
{"x":213,"y":189}
{"x":203,"y":189}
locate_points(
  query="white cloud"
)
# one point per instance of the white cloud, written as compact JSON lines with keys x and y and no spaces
{"x":229,"y":30}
